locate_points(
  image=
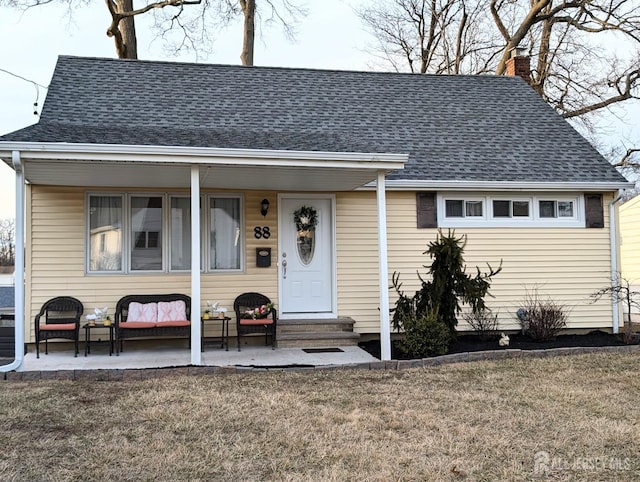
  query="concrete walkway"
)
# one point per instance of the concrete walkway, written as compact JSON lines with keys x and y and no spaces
{"x":164,"y":357}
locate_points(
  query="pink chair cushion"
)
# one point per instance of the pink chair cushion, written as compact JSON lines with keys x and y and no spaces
{"x":142,"y":312}
{"x":137,"y":324}
{"x":172,"y":311}
{"x":174,"y":323}
{"x":258,"y":321}
{"x":58,"y":327}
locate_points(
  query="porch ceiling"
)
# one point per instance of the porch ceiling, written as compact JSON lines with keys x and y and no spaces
{"x":215,"y":176}
{"x":161,"y":167}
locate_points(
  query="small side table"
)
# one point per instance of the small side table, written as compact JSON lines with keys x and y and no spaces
{"x":87,"y":336}
{"x":224,"y":332}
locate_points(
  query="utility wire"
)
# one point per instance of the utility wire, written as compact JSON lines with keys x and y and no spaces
{"x":24,"y":78}
{"x":35,"y":84}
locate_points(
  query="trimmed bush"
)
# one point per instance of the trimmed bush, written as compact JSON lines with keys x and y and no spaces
{"x":426,"y":336}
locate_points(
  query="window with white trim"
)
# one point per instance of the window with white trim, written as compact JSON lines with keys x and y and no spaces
{"x":464,"y":208}
{"x":137,"y":233}
{"x":539,"y":210}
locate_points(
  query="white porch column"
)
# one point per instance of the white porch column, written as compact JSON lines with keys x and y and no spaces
{"x":385,"y":327}
{"x":196,"y":327}
{"x":19,"y":267}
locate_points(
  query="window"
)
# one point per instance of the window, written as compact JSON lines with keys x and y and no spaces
{"x":105,"y":233}
{"x":556,"y":209}
{"x":152,"y":233}
{"x":460,"y":210}
{"x":224,"y":250}
{"x":180,"y":228}
{"x":503,"y":208}
{"x":146,"y":226}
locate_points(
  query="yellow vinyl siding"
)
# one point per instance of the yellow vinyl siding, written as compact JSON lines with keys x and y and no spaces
{"x":56,"y":258}
{"x":630,"y":240}
{"x":567,"y":264}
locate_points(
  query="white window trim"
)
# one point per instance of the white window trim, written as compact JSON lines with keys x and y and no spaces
{"x":533,"y":220}
{"x":166,"y":233}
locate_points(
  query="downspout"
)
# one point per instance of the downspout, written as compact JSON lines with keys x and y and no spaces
{"x":383,"y":266}
{"x":613,"y":237}
{"x":19,"y":268}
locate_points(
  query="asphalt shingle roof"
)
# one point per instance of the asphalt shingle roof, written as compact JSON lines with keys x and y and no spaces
{"x":474,"y":128}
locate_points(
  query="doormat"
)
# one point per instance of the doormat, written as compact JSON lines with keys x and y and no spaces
{"x":322,"y":350}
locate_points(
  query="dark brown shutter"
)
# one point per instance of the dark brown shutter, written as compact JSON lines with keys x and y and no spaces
{"x":594,"y":211}
{"x":427,"y":215}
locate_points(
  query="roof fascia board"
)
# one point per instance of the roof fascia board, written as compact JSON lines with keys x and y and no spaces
{"x":202,"y":155}
{"x":411,"y":185}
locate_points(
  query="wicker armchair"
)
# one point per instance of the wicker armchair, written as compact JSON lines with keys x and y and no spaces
{"x":58,"y":318}
{"x":255,"y":314}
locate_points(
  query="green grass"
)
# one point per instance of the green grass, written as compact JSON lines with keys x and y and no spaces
{"x":472,"y":421}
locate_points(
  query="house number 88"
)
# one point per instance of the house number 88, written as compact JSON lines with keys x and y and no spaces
{"x":262,"y":232}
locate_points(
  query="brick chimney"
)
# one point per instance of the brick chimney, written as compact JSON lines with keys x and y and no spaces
{"x":519,"y":64}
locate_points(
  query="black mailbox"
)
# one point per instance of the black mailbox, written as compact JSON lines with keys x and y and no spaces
{"x":263,"y":257}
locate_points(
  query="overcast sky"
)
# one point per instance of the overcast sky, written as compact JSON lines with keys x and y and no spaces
{"x":331,"y":36}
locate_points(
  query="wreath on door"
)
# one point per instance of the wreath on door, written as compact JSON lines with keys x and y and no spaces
{"x":306,"y":218}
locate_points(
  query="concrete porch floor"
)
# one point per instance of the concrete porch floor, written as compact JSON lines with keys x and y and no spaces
{"x":165,"y":355}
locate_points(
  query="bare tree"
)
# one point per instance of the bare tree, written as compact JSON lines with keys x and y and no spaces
{"x":432,"y":36}
{"x":7,"y":242}
{"x":194,"y":23}
{"x":572,"y":68}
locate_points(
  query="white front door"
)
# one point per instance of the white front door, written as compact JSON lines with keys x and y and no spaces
{"x":306,"y":258}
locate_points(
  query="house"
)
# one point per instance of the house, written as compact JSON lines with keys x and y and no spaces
{"x":139,"y":171}
{"x":630,"y":244}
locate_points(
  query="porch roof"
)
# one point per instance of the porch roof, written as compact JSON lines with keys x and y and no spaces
{"x":100,"y":165}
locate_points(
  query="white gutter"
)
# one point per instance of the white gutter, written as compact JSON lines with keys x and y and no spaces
{"x":19,"y":268}
{"x":613,"y":239}
{"x":412,"y":185}
{"x":61,"y":152}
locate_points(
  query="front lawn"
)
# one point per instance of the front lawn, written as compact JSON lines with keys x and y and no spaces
{"x":564,"y":418}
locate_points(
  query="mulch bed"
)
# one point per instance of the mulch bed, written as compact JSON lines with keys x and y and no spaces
{"x":471,"y":343}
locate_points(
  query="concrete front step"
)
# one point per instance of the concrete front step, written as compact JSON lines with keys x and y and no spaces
{"x":315,"y":325}
{"x":326,"y":339}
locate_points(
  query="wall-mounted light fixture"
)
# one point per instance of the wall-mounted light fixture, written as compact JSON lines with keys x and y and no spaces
{"x":264,"y":207}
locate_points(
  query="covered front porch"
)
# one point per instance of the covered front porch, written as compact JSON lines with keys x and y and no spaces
{"x":194,"y":171}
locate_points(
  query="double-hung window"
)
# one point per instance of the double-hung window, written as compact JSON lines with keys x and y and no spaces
{"x":137,"y":233}
{"x":105,"y":236}
{"x":225,"y":233}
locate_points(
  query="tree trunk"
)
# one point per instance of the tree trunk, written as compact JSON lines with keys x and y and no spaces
{"x":249,"y":11}
{"x":125,"y":39}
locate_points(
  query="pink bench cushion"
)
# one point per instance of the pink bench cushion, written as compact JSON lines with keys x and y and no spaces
{"x":137,"y":324}
{"x":172,"y":311}
{"x":142,"y":312}
{"x":174,"y":323}
{"x":58,"y":327}
{"x":258,"y":321}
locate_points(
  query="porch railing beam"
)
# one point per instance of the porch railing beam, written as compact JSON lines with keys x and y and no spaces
{"x":196,"y":327}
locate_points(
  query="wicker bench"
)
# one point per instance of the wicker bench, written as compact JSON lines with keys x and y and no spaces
{"x":134,"y":317}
